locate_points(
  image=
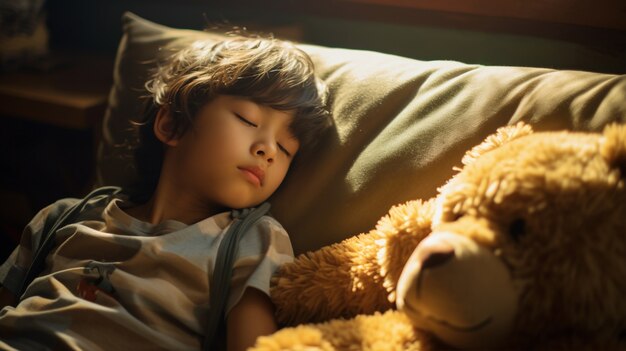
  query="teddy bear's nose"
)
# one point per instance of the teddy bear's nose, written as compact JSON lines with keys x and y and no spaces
{"x":433,"y":253}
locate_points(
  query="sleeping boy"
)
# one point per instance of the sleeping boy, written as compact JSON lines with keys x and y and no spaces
{"x":221,"y":127}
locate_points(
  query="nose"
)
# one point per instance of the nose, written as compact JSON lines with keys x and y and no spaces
{"x":264,"y":149}
{"x":434,"y":253}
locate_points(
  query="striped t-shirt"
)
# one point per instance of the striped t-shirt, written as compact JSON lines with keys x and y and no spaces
{"x":113,"y":282}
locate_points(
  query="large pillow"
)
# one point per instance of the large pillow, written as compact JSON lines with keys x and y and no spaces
{"x":400,"y":124}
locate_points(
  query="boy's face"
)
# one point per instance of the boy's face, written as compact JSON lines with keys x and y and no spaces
{"x":236,"y":154}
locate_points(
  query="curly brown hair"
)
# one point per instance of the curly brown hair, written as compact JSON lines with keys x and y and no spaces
{"x":268,"y":71}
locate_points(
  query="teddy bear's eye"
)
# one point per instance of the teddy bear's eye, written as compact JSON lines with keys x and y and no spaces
{"x":517,"y":229}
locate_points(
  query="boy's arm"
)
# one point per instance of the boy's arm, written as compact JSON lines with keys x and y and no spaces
{"x":250,"y":318}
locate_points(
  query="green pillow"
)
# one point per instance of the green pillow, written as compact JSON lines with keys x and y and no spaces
{"x":400,"y":125}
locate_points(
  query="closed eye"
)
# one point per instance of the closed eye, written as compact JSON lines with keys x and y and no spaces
{"x":245,"y":120}
{"x":284,"y":150}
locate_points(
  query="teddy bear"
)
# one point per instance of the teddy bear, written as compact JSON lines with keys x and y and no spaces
{"x":523,"y":248}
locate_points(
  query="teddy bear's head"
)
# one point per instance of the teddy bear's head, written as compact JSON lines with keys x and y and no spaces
{"x":528,"y":242}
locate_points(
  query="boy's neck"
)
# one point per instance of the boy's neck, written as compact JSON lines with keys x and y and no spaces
{"x":170,"y":202}
{"x":156,"y":211}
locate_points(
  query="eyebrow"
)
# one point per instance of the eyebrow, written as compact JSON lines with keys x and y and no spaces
{"x":247,"y":103}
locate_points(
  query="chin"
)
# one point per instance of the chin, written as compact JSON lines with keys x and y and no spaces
{"x":239,"y":202}
{"x":238,"y":196}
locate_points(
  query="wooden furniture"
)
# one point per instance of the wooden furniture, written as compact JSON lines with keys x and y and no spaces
{"x":71,"y":94}
{"x":51,"y":122}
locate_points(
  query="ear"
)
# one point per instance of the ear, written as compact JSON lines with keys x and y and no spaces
{"x":613,"y":147}
{"x":500,"y":137}
{"x":164,"y":127}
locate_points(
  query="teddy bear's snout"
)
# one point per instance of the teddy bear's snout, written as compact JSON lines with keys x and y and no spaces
{"x":434,"y":253}
{"x":459,"y":290}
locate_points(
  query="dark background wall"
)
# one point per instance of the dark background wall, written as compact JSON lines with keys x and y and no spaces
{"x":95,"y":25}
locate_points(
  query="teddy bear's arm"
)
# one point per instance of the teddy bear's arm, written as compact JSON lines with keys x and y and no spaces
{"x":355,"y":276}
{"x":387,"y":331}
{"x":330,"y":282}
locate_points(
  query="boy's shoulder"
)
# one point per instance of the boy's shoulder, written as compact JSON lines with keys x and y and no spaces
{"x":93,"y":208}
{"x":273,"y":231}
{"x":268,"y":220}
{"x":96,"y":203}
{"x":265,"y":233}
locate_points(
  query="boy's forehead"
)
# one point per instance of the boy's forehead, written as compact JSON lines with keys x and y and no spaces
{"x":247,"y":102}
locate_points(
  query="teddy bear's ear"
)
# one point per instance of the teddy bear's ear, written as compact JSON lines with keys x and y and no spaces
{"x":613,"y":147}
{"x":500,"y":137}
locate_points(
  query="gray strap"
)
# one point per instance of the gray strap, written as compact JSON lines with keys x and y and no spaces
{"x":222,"y":273}
{"x":48,"y":234}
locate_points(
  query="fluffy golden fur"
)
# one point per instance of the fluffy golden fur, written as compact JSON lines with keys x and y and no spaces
{"x":550,"y":206}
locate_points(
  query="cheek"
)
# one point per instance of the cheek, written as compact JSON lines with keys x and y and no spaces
{"x":279,"y":174}
{"x":200,"y":158}
{"x":220,"y":143}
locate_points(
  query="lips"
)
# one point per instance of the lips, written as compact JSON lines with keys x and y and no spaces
{"x":254,"y":173}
